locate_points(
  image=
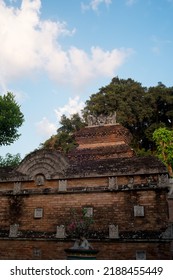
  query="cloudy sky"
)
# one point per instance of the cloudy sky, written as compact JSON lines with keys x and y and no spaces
{"x":55,"y":54}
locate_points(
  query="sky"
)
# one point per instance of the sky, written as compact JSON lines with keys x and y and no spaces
{"x":55,"y":54}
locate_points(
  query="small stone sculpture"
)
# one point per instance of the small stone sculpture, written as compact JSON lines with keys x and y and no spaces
{"x":101,"y":119}
{"x":82,"y":243}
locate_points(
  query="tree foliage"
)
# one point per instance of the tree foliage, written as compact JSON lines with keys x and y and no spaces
{"x":140,"y":109}
{"x":10,"y":160}
{"x":11,"y":118}
{"x":64,"y":140}
{"x":164,"y":142}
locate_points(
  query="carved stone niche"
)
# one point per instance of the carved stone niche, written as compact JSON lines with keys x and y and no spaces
{"x":60,"y":231}
{"x":13,"y":230}
{"x":138,"y":211}
{"x":40,"y":180}
{"x":62,"y":185}
{"x":17,"y":187}
{"x":113,"y":231}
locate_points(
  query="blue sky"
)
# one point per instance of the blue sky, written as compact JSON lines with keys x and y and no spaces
{"x":55,"y":54}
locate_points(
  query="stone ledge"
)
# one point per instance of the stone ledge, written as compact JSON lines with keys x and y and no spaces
{"x":75,"y":190}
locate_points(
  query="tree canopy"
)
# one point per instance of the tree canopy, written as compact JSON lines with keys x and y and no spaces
{"x":11,"y":118}
{"x":164,"y":142}
{"x":64,"y":140}
{"x":10,"y":160}
{"x":140,"y":109}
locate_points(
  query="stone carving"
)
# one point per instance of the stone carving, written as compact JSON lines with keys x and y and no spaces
{"x":17,"y":187}
{"x":60,"y":231}
{"x":82,"y":243}
{"x":91,"y":120}
{"x":163,"y":180}
{"x":39,"y":180}
{"x":140,"y":255}
{"x":38,"y":213}
{"x":62,"y":185}
{"x":113,"y":231}
{"x":101,"y":119}
{"x":138,"y":211}
{"x":112,"y":183}
{"x":13,"y":230}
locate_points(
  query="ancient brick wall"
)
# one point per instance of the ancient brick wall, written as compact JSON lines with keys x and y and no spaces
{"x":54,"y":250}
{"x":100,"y":142}
{"x":103,"y":134}
{"x":127,"y":196}
{"x":109,"y":207}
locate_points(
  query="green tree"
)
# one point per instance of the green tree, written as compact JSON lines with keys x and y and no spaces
{"x":10,"y":160}
{"x":160,"y":100}
{"x":164,"y":142}
{"x":129,"y":99}
{"x":64,"y":140}
{"x":11,"y":118}
{"x":138,"y":108}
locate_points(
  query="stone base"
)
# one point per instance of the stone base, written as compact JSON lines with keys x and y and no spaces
{"x":81,"y":254}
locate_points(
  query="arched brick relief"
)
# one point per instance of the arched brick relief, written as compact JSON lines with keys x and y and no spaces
{"x":50,"y":163}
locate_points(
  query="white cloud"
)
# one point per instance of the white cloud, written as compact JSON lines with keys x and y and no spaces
{"x":46,"y":128}
{"x":30,"y":44}
{"x":73,"y":106}
{"x":94,"y":4}
{"x":99,"y":63}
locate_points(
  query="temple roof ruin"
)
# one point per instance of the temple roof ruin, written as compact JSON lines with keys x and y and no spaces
{"x":103,"y":150}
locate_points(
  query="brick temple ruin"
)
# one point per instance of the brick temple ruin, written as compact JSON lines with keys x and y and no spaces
{"x":127,"y":197}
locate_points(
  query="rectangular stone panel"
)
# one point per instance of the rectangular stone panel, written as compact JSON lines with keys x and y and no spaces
{"x":36,"y":252}
{"x":13,"y":230}
{"x":113,"y":231}
{"x":138,"y":211}
{"x":17,"y":187}
{"x":62,"y":185}
{"x":112,"y":183}
{"x":38,"y":213}
{"x":163,"y":180}
{"x":140,"y":255}
{"x":60,"y":231}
